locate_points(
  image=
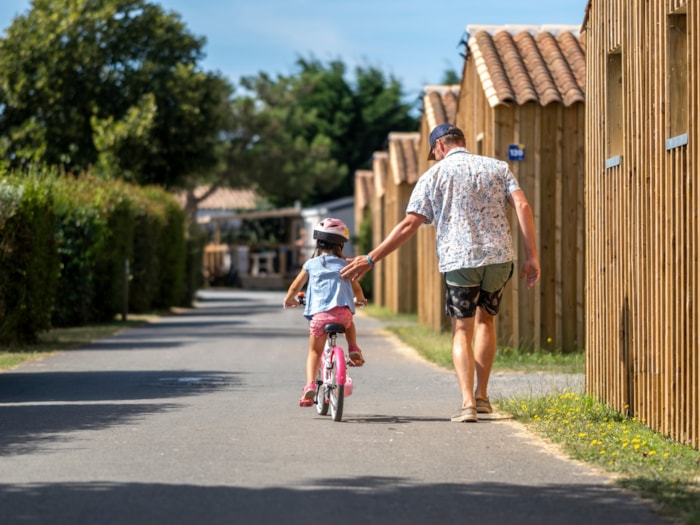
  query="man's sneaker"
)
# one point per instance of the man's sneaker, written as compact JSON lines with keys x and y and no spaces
{"x":466,"y":415}
{"x":483,"y":406}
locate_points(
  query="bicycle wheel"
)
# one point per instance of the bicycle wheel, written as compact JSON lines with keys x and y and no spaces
{"x":322,"y":401}
{"x":337,"y":392}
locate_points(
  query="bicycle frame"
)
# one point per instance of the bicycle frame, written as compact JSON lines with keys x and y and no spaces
{"x":333,"y":382}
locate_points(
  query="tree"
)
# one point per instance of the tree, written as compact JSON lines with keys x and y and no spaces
{"x":274,"y":144}
{"x":302,"y":137}
{"x":109,"y":83}
{"x":357,"y":116}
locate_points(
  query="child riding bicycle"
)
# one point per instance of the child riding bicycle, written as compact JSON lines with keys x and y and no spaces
{"x":329,"y":299}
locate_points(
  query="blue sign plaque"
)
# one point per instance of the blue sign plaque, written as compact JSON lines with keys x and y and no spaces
{"x":516,"y":152}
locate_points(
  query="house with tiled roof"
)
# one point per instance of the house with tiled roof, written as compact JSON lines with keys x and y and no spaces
{"x":380,"y":225}
{"x":400,"y":265}
{"x":521,"y":100}
{"x":439,"y":106}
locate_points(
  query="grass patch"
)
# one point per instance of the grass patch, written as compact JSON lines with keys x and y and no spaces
{"x":438,"y":347}
{"x":59,"y":339}
{"x":655,"y":466}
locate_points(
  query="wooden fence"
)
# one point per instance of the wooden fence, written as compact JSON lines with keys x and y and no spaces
{"x":642,"y":202}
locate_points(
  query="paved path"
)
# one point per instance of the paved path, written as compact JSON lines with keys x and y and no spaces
{"x":194,"y":420}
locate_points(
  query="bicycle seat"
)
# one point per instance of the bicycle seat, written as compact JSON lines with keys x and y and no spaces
{"x":334,"y":328}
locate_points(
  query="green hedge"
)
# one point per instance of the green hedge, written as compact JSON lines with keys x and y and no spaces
{"x":28,"y":258}
{"x":64,"y":242}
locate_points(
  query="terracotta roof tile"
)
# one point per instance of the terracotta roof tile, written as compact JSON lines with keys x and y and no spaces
{"x":403,"y":157}
{"x":518,"y":64}
{"x":440,"y":104}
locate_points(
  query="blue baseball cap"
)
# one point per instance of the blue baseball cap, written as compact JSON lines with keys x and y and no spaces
{"x":439,"y":132}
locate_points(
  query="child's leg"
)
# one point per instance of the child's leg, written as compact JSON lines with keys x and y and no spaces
{"x":313,"y":360}
{"x":354,"y":352}
{"x":351,"y":334}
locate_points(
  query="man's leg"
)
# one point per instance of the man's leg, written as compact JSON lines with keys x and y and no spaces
{"x":463,"y":357}
{"x":484,"y":350}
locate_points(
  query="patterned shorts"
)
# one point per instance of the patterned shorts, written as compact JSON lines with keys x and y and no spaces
{"x":462,"y":300}
{"x":339,"y":314}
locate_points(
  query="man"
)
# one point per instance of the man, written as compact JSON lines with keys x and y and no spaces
{"x":465,"y":196}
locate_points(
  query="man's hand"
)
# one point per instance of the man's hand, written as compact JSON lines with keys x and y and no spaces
{"x":531,"y":272}
{"x":356,"y":268}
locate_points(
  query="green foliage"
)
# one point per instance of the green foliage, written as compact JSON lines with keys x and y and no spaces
{"x":64,"y":242}
{"x":112,"y":84}
{"x":302,"y":137}
{"x":159,"y":255}
{"x":95,"y":232}
{"x":450,"y":78}
{"x":28,"y":260}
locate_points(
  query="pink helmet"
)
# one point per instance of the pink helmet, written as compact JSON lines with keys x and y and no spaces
{"x":332,"y":231}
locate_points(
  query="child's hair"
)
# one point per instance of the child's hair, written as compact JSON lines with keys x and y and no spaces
{"x":327,"y":247}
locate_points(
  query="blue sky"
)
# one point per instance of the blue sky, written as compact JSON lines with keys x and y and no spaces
{"x":416,"y":41}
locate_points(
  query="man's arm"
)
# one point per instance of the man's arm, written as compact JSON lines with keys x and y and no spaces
{"x":531,"y":267}
{"x":358,"y":266}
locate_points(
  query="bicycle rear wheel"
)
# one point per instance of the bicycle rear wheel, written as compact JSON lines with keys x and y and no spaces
{"x":336,"y":393}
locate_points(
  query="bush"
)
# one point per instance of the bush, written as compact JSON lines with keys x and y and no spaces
{"x":64,"y":245}
{"x":28,"y":258}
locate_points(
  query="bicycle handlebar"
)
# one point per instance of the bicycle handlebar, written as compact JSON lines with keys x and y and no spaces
{"x":301,"y":298}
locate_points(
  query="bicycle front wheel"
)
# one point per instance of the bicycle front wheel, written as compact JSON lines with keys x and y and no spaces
{"x":336,"y":395}
{"x":322,"y":401}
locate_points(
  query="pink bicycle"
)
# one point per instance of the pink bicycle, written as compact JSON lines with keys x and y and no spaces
{"x":333,"y":383}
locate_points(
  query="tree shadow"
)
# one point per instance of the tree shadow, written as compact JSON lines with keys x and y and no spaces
{"x":342,"y":501}
{"x":36,"y":406}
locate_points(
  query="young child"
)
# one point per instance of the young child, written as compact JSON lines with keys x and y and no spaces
{"x":329,"y":299}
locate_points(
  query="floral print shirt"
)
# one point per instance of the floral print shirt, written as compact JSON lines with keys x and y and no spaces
{"x":466,"y":196}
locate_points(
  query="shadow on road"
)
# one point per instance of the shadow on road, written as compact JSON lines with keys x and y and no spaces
{"x":36,"y":407}
{"x":343,"y":501}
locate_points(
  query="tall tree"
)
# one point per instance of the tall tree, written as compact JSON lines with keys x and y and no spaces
{"x":112,"y":83}
{"x":275,"y":145}
{"x":357,"y":115}
{"x":340,"y":123}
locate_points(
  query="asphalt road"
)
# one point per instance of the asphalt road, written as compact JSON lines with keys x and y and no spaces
{"x":194,"y":419}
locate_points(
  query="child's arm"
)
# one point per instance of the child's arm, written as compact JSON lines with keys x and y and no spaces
{"x":295,"y":288}
{"x":360,"y":299}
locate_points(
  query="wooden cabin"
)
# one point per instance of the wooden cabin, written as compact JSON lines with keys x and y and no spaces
{"x":400,"y":266}
{"x":439,"y":107}
{"x":642,"y":201}
{"x":521,"y":100}
{"x":380,"y":168}
{"x":364,"y":193}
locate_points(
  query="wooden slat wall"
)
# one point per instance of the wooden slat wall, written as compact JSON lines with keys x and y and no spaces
{"x":379,"y":223}
{"x":642,"y":285}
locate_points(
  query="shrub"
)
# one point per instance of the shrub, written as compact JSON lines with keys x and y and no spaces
{"x":28,"y":258}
